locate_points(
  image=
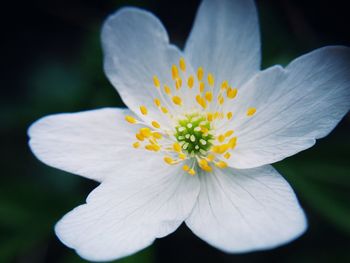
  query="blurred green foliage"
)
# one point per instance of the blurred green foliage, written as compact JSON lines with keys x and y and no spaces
{"x":33,"y":197}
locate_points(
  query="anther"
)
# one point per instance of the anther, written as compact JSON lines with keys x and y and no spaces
{"x":139,"y":136}
{"x":210,"y":80}
{"x":231,"y":93}
{"x":201,"y":87}
{"x":251,"y":111}
{"x":200,"y":73}
{"x":190,"y":82}
{"x":136,"y":145}
{"x":221,"y":164}
{"x":177,"y":147}
{"x":164,"y":110}
{"x":143,"y":110}
{"x":156,"y":81}
{"x":156,"y":102}
{"x":178,"y":83}
{"x":191,"y":172}
{"x":168,"y":160}
{"x":174,"y":72}
{"x":182,"y":64}
{"x":177,"y":100}
{"x":208,"y":96}
{"x":167,"y":90}
{"x":146,"y":132}
{"x":228,"y":133}
{"x":130,"y":119}
{"x":227,"y":155}
{"x":224,"y":85}
{"x":155,"y":124}
{"x":156,"y":135}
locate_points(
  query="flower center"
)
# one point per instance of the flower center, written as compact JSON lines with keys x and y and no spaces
{"x":200,"y":138}
{"x":193,"y":135}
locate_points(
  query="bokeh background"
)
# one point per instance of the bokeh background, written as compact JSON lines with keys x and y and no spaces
{"x":51,"y":62}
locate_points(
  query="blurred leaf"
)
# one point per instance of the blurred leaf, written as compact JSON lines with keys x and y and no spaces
{"x":144,"y":256}
{"x":28,"y":212}
{"x":322,"y":179}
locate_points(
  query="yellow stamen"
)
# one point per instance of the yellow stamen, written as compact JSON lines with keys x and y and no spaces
{"x":220,"y":149}
{"x":143,"y":110}
{"x":182,"y":156}
{"x":211,"y":80}
{"x":221,"y":138}
{"x":221,"y":164}
{"x":139,"y":136}
{"x":167,"y":90}
{"x":177,"y":147}
{"x":178,"y":83}
{"x":156,"y":102}
{"x":185,"y":168}
{"x":149,"y":147}
{"x":174,"y":72}
{"x":200,"y":73}
{"x":203,"y":162}
{"x":221,"y":100}
{"x":204,"y":165}
{"x":155,"y":124}
{"x":228,"y":133}
{"x":177,"y":100}
{"x":209,"y":96}
{"x":168,"y":160}
{"x":231,"y":93}
{"x":224,"y":85}
{"x":156,"y":147}
{"x":157,"y":135}
{"x":136,"y":145}
{"x":210,"y":116}
{"x":201,"y":101}
{"x":211,"y":157}
{"x":229,"y":115}
{"x":182,"y":64}
{"x":146,"y":132}
{"x":227,"y":155}
{"x":164,"y":110}
{"x":201,"y":87}
{"x":190,"y":82}
{"x":192,"y":172}
{"x":156,"y":81}
{"x":251,"y":111}
{"x":232,"y":143}
{"x":130,"y":119}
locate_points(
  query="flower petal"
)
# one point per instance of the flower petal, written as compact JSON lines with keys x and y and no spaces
{"x":245,"y":210}
{"x":93,"y":144}
{"x":136,"y":48}
{"x":225,"y":40}
{"x":294,"y":106}
{"x":126,"y":213}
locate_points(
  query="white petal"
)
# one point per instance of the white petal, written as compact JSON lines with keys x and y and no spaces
{"x":225,"y":40}
{"x":294,"y":106}
{"x":246,"y":210}
{"x":136,"y":48}
{"x":93,"y":144}
{"x":126,"y":213}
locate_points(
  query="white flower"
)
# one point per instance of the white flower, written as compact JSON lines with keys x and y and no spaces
{"x":207,"y":123}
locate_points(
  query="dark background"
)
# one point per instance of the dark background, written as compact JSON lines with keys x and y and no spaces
{"x":51,"y":62}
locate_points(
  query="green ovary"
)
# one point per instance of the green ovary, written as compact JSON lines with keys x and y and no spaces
{"x":193,"y":134}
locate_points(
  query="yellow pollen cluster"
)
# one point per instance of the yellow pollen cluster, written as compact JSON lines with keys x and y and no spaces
{"x":194,"y":141}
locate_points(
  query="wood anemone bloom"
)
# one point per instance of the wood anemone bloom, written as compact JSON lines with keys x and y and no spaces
{"x":195,"y":144}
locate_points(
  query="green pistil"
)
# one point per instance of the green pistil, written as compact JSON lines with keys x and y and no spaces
{"x":191,"y":137}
